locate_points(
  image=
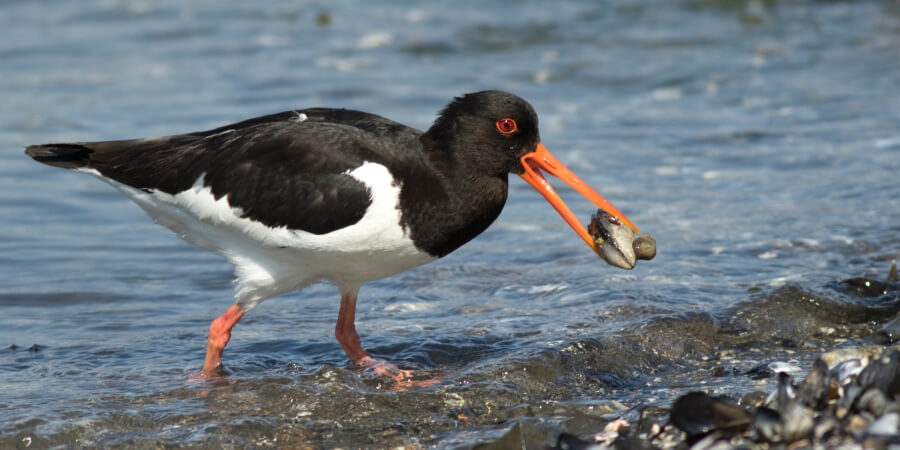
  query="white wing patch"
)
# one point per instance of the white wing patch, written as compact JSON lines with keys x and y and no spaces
{"x":230,"y":130}
{"x":273,"y":260}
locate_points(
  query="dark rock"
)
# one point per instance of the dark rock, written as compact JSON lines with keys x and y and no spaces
{"x":867,"y":287}
{"x":889,"y":332}
{"x":760,"y":372}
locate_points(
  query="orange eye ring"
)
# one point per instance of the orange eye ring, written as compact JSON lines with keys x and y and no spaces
{"x":507,"y":126}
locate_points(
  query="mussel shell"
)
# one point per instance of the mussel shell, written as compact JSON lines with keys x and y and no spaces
{"x":697,"y":413}
{"x":846,"y":370}
{"x":873,"y":401}
{"x":614,"y":240}
{"x":784,"y":394}
{"x":814,"y":390}
{"x":886,"y":425}
{"x":883,"y":374}
{"x":797,"y":422}
{"x":767,"y":423}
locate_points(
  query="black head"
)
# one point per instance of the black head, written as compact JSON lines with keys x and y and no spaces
{"x":490,"y":134}
{"x":491,"y":130}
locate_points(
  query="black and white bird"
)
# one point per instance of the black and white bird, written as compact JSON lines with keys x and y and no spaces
{"x":331,"y":195}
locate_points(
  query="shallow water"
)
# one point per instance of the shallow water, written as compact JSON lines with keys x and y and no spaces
{"x":757,"y":141}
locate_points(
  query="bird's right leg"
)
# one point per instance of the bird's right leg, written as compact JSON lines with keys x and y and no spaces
{"x":219,"y":335}
{"x":345,"y":331}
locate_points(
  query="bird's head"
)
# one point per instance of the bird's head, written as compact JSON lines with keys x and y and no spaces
{"x":504,"y":129}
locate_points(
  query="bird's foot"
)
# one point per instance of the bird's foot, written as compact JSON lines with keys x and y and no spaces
{"x":403,"y":378}
{"x":214,"y":374}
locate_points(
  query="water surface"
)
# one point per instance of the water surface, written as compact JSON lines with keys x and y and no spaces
{"x":757,"y":141}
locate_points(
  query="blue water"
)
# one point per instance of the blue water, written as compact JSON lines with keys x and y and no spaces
{"x":757,"y":141}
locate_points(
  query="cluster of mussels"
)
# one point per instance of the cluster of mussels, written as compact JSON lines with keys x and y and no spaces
{"x":853,"y":404}
{"x":856,"y":401}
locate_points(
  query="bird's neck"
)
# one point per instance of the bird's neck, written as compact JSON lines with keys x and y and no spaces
{"x":454,"y":203}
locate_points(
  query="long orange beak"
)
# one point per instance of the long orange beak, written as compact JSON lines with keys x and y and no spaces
{"x":541,"y":158}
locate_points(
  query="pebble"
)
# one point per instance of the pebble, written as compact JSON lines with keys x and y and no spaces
{"x":644,"y":247}
{"x":886,"y":425}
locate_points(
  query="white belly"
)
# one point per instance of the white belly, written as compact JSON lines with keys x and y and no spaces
{"x":270,"y":261}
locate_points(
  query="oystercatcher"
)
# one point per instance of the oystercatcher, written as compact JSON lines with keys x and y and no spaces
{"x":330,"y":194}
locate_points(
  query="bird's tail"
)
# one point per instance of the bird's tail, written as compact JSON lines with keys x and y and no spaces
{"x":67,"y":156}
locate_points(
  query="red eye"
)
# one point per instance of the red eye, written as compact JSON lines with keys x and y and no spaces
{"x":507,"y":126}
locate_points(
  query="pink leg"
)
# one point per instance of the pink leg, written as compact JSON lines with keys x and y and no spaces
{"x":219,"y":335}
{"x":345,"y":331}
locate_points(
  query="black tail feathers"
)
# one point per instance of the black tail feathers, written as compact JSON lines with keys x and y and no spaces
{"x":67,"y":156}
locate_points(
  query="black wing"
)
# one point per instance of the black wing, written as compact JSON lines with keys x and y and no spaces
{"x":287,"y":169}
